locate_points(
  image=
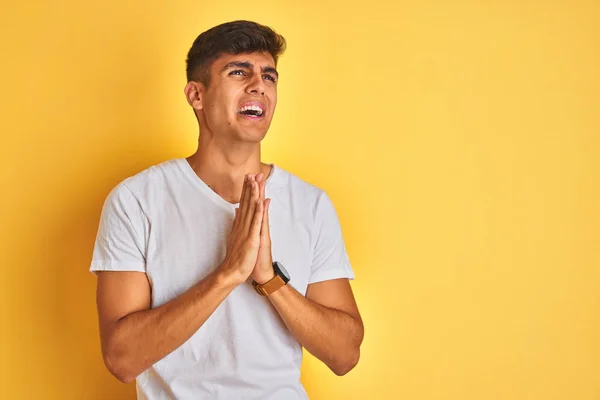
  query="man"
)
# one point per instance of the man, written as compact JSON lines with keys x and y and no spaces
{"x":214,"y":270}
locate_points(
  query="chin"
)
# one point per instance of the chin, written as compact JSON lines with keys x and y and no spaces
{"x":251,"y":130}
{"x":251,"y":135}
{"x":255,"y":132}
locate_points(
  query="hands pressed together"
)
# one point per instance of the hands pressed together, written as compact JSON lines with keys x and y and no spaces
{"x":249,"y":242}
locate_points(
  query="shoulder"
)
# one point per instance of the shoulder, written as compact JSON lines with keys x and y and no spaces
{"x":297,"y":186}
{"x":136,"y":190}
{"x":300,"y":193}
{"x":151,"y":177}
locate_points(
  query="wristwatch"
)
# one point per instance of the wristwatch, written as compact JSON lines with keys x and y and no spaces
{"x":280,"y":279}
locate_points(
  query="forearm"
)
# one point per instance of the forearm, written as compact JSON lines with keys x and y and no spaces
{"x":142,"y":338}
{"x":331,"y":335}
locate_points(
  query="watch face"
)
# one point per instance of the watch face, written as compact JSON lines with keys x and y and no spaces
{"x":281,"y":271}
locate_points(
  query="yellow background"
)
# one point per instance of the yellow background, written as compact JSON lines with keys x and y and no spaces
{"x":458,"y":141}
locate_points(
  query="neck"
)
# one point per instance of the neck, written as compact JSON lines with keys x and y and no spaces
{"x":223,"y":165}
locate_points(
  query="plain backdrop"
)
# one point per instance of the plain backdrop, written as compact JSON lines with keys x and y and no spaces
{"x":457,"y":139}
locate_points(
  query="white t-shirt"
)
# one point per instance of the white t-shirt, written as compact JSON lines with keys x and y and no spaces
{"x":165,"y":221}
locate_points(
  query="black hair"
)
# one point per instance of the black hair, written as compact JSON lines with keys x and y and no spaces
{"x":233,"y":37}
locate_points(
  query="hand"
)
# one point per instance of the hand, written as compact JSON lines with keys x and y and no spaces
{"x":263,"y":270}
{"x":244,"y":241}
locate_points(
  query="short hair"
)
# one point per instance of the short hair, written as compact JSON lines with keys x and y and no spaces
{"x":233,"y":37}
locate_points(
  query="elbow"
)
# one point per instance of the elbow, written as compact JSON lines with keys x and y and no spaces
{"x":351,"y":360}
{"x":117,"y":365}
{"x":348,"y":364}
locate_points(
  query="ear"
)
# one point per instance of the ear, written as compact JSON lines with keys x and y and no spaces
{"x":194,"y":92}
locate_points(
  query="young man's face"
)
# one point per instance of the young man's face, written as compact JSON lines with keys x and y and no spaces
{"x":241,"y":96}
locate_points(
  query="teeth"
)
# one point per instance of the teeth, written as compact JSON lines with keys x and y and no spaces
{"x":255,"y":108}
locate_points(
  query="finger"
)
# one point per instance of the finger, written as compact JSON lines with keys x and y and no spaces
{"x":236,"y":219}
{"x":247,"y":196}
{"x":262,"y":189}
{"x":258,"y":219}
{"x":251,"y":203}
{"x":265,"y":231}
{"x":243,"y":197}
{"x":256,"y":193}
{"x":263,"y":228}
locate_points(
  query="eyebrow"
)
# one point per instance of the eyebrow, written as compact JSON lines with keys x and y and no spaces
{"x":248,"y":65}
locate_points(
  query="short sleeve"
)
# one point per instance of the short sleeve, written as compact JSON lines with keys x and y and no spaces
{"x":120,"y":241}
{"x":330,"y":259}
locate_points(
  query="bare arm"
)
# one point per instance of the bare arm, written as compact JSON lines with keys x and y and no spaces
{"x":134,"y":337}
{"x":326,"y":322}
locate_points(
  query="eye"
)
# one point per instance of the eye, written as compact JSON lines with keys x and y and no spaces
{"x":235,"y":72}
{"x":269,"y":77}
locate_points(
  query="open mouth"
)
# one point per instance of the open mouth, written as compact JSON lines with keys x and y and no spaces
{"x":251,"y":111}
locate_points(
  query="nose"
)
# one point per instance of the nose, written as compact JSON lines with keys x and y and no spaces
{"x":256,"y":85}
